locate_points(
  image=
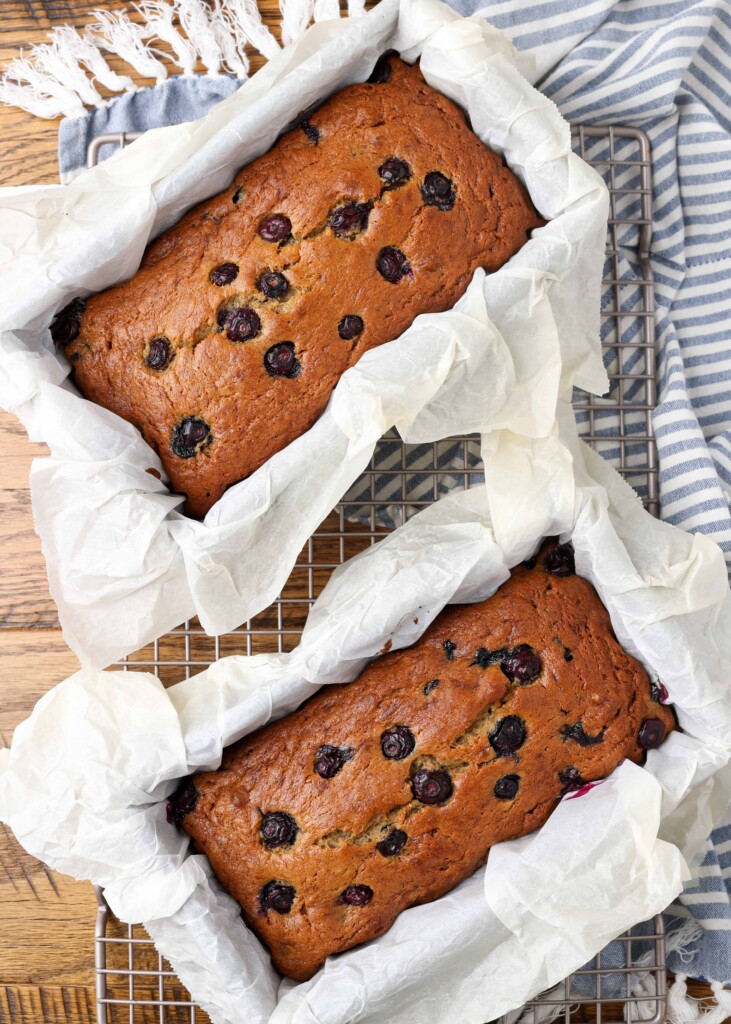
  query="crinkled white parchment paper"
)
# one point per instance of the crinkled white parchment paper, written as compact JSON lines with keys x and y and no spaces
{"x":83,"y":783}
{"x":124,"y":564}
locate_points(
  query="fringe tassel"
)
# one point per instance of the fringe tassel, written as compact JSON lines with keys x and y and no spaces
{"x":643,"y":987}
{"x":83,"y":51}
{"x":248,"y":18}
{"x":722,"y":1010}
{"x":644,"y":991}
{"x":684,"y":1009}
{"x":27,"y":86}
{"x":158,"y":23}
{"x":60,"y":78}
{"x":24,"y":96}
{"x":57,"y":63}
{"x":325,"y":10}
{"x":119,"y":35}
{"x":296,"y":16}
{"x":231,"y":42}
{"x":194,"y":17}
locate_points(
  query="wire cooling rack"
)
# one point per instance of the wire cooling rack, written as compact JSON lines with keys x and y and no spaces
{"x":134,"y":984}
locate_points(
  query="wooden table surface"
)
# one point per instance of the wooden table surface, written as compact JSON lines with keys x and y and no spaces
{"x":46,"y":919}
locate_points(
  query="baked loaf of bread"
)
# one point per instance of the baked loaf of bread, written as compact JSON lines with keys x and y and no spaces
{"x":387,"y":792}
{"x":228,"y":342}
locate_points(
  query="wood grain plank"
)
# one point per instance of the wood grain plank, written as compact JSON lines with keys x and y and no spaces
{"x":16,"y":453}
{"x":34,"y":1004}
{"x":46,"y":935}
{"x":32,"y":662}
{"x":25,"y":600}
{"x":47,"y":922}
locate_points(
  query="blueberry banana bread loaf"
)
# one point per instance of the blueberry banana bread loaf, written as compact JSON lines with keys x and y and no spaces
{"x":387,"y":792}
{"x":228,"y":342}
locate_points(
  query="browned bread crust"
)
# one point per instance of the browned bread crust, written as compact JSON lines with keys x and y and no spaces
{"x":169,"y":313}
{"x":509,"y":747}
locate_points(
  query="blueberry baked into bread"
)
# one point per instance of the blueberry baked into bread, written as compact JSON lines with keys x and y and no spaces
{"x":227,"y":343}
{"x":387,"y":792}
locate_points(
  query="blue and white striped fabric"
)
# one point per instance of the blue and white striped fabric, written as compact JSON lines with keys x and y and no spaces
{"x":664,"y":67}
{"x":707,"y":901}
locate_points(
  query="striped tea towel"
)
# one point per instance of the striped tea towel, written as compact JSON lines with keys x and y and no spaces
{"x":662,"y":66}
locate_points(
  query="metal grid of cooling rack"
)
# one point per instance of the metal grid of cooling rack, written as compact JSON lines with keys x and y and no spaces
{"x":619,"y":425}
{"x":134,"y":984}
